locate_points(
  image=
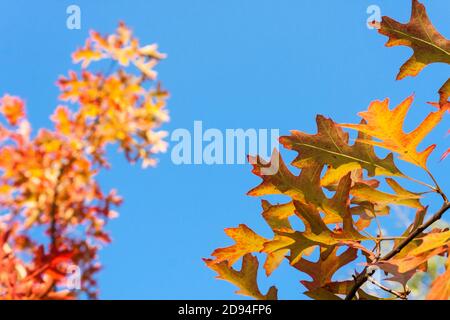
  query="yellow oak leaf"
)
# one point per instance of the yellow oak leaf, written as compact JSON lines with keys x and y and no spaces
{"x":87,"y":54}
{"x":245,"y":279}
{"x":363,"y":192}
{"x":247,"y":241}
{"x":432,"y":241}
{"x":387,"y":126}
{"x":277,"y":215}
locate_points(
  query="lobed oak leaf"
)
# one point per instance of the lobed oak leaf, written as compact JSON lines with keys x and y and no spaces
{"x":316,"y":232}
{"x":386,"y":125}
{"x":322,"y":271}
{"x":403,"y":268}
{"x":245,"y":279}
{"x":367,"y":211}
{"x":304,"y":188}
{"x":277,"y":216}
{"x":431,"y":241}
{"x":330,"y":147}
{"x":247,"y":241}
{"x":363,"y":192}
{"x":419,"y":34}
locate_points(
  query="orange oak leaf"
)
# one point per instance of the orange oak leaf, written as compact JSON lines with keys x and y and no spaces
{"x":405,"y":267}
{"x":440,"y":288}
{"x":322,"y":271}
{"x":245,"y":279}
{"x":387,"y":126}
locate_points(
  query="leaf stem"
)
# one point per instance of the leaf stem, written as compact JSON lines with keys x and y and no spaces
{"x":433,"y":188}
{"x":437,"y":188}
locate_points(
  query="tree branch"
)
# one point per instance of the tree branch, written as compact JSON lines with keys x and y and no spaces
{"x":361,"y":278}
{"x":54,"y":206}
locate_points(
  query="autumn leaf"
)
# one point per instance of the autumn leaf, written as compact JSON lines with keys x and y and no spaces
{"x":316,"y":232}
{"x":387,"y":125}
{"x":432,"y":241}
{"x":440,"y":288}
{"x":245,"y":279}
{"x":87,"y":54}
{"x":405,"y":267}
{"x":13,"y":108}
{"x":247,"y":241}
{"x":277,"y":217}
{"x":363,"y":192}
{"x":304,"y":188}
{"x":419,"y":34}
{"x":330,"y":147}
{"x":121,"y":47}
{"x":322,"y":271}
{"x":61,"y":118}
{"x":444,"y":94}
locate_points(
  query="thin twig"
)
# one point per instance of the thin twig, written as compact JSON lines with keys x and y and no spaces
{"x":401,"y":295}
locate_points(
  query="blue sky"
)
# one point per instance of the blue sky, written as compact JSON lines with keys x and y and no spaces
{"x":231,"y":64}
